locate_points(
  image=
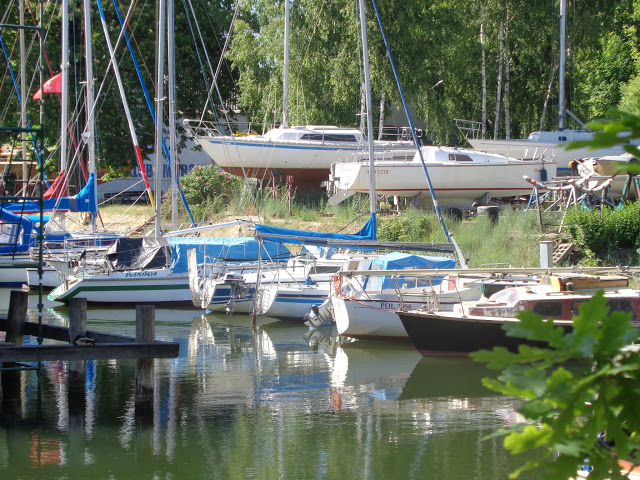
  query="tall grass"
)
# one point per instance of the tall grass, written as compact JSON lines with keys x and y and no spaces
{"x":513,"y":240}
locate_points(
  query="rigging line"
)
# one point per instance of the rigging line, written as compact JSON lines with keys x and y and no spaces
{"x":150,"y":106}
{"x":413,"y":132}
{"x":125,"y":104}
{"x":17,"y":90}
{"x":222,"y":55}
{"x":215,"y":82}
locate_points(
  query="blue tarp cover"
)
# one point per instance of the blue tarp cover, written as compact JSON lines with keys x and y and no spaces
{"x":229,"y":249}
{"x":84,"y":201}
{"x":368,"y":232}
{"x":400,"y":261}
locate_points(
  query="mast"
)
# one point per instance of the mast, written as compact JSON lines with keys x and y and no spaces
{"x":561,"y":95}
{"x":285,"y":86}
{"x":90,"y":127}
{"x":172,"y":112}
{"x":159,"y":100}
{"x":367,"y":87}
{"x":64,"y":68}
{"x":23,"y":103}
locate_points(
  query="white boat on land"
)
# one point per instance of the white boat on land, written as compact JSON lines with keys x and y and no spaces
{"x":304,"y":152}
{"x":545,"y":145}
{"x":460,"y":177}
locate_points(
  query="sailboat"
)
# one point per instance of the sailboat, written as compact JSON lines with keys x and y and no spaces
{"x":303,"y":152}
{"x":549,"y":144}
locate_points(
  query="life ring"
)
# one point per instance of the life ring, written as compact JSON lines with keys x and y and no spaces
{"x":337,"y":285}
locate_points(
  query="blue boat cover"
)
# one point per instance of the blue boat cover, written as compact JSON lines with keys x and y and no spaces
{"x":84,"y":201}
{"x":15,"y":233}
{"x":401,"y":261}
{"x":368,"y":232}
{"x":228,"y":249}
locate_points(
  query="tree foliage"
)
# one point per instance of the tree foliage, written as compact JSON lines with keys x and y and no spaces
{"x":435,"y":45}
{"x":584,"y":384}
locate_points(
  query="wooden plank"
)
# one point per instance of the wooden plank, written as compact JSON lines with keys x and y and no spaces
{"x":104,"y":351}
{"x":55,"y":332}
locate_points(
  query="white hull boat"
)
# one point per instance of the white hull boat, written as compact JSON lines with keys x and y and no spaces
{"x":148,"y":286}
{"x":546,"y":145}
{"x":290,"y":302}
{"x":459,"y":177}
{"x":304,"y":152}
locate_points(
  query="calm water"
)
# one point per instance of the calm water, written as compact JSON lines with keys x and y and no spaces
{"x":280,"y":402}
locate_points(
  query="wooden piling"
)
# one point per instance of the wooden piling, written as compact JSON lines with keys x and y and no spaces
{"x":12,"y":379}
{"x":76,"y":381}
{"x":77,"y":318}
{"x":145,"y":333}
{"x":18,"y":304}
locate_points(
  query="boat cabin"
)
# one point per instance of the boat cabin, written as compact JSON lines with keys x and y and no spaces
{"x":559,"y":297}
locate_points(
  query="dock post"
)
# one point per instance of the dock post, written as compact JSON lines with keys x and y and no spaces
{"x":145,"y":333}
{"x":12,"y":379}
{"x":18,"y":303}
{"x":546,"y":254}
{"x":76,"y":394}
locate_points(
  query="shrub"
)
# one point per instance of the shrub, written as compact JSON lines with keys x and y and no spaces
{"x":606,"y":230}
{"x":412,"y":226}
{"x":211,"y":186}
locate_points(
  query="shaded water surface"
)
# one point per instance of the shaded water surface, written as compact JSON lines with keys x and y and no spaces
{"x":276,"y":402}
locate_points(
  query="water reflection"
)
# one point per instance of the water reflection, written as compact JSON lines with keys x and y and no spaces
{"x":274,"y":400}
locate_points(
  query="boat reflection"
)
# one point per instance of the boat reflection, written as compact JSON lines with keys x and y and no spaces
{"x":447,"y":378}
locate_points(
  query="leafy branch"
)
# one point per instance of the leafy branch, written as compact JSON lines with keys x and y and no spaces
{"x":585,"y":383}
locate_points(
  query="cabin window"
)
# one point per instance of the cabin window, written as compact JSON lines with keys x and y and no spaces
{"x":328,"y":137}
{"x":458,"y":157}
{"x":9,"y":233}
{"x":616,"y":305}
{"x":549,"y":309}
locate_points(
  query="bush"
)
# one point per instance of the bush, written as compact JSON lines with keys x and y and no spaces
{"x":606,"y":230}
{"x":412,"y":226}
{"x":211,"y":186}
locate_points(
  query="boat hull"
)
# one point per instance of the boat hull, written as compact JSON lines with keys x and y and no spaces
{"x":308,"y":162}
{"x":531,"y":149}
{"x":291,"y":303}
{"x":149,"y":287}
{"x":455,"y":186}
{"x":450,"y":334}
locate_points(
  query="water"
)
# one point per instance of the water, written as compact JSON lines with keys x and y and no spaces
{"x":280,"y":402}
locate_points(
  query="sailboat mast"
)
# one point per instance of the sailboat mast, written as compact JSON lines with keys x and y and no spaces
{"x":285,"y":85}
{"x":367,"y":87}
{"x":90,"y":127}
{"x":172,"y":112}
{"x":159,"y":114}
{"x":23,"y":104}
{"x":64,"y":66}
{"x":561,"y":94}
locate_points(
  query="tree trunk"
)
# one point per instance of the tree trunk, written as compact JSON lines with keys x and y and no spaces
{"x":507,"y":85}
{"x":484,"y":74}
{"x":496,"y":126}
{"x":383,"y":99}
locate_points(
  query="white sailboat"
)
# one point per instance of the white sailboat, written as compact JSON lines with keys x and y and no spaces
{"x":459,"y":177}
{"x":549,"y":144}
{"x":304,"y":152}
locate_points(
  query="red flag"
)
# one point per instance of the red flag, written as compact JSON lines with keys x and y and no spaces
{"x":53,"y":85}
